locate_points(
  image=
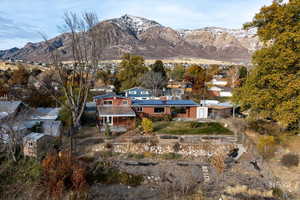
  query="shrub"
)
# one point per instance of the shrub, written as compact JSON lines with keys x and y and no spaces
{"x":290,"y":160}
{"x":176,"y":147}
{"x":168,"y":118}
{"x":266,"y":146}
{"x":62,"y":172}
{"x":147,"y":125}
{"x":107,"y":131}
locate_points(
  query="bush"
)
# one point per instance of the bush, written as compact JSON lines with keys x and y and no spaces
{"x":176,"y":147}
{"x":107,"y":131}
{"x":266,"y":146}
{"x":168,"y":118}
{"x":290,"y":160}
{"x":147,"y":125}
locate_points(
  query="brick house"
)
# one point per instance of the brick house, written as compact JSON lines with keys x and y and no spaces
{"x":115,"y":111}
{"x":160,"y":108}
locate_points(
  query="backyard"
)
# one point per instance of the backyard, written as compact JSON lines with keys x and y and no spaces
{"x":190,"y":128}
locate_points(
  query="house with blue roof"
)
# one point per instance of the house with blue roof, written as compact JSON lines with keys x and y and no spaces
{"x":159,"y":108}
{"x":138,"y":93}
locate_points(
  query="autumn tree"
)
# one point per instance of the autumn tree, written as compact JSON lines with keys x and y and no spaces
{"x":130,"y":71}
{"x":177,"y":73}
{"x":273,"y":86}
{"x":19,"y":76}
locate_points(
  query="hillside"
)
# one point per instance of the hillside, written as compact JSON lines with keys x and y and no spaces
{"x":137,"y":35}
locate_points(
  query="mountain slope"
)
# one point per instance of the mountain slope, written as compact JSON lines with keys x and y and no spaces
{"x":137,"y":35}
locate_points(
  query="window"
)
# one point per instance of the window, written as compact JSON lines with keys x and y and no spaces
{"x":144,"y":92}
{"x":30,"y":144}
{"x":159,"y":110}
{"x":107,"y":102}
{"x":139,"y":109}
{"x":132,"y":92}
{"x":125,"y":102}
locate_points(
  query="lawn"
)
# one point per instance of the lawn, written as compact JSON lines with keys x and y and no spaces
{"x":190,"y":128}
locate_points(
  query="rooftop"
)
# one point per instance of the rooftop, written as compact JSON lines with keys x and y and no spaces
{"x":33,"y":136}
{"x":9,"y":106}
{"x":164,"y":103}
{"x":117,"y":111}
{"x":109,"y":95}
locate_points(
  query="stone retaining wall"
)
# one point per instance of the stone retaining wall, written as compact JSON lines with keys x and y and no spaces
{"x":186,"y":149}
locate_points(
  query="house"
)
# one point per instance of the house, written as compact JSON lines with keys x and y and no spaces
{"x":220,"y":91}
{"x":37,"y":145}
{"x":10,"y":108}
{"x":52,"y":128}
{"x":104,"y":89}
{"x":218,"y":82}
{"x":138,"y":93}
{"x":187,"y":109}
{"x":43,"y":114}
{"x":115,"y":111}
{"x":217,"y":109}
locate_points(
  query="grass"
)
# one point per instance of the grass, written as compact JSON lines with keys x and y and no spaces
{"x":190,"y":128}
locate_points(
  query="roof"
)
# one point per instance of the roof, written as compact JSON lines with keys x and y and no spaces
{"x":109,"y":95}
{"x":46,"y":114}
{"x":216,"y":104}
{"x":117,"y":111}
{"x":138,"y":92}
{"x":33,"y":136}
{"x":9,"y":106}
{"x":164,"y":103}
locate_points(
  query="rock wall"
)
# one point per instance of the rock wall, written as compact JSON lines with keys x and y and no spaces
{"x":185,"y":149}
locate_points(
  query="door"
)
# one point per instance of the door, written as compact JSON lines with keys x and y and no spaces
{"x":108,"y":120}
{"x":202,"y":112}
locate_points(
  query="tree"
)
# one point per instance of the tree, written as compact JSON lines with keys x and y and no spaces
{"x":19,"y":76}
{"x":75,"y":80}
{"x":158,"y":67}
{"x":178,"y":72}
{"x":272,"y":88}
{"x":154,"y":81}
{"x":130,"y":71}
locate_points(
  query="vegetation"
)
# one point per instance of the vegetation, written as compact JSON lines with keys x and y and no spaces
{"x":190,"y":128}
{"x":266,"y":146}
{"x":177,"y":73}
{"x":147,"y":125}
{"x":130,"y":71}
{"x":61,"y":172}
{"x":14,"y":176}
{"x":272,"y":87}
{"x":290,"y":160}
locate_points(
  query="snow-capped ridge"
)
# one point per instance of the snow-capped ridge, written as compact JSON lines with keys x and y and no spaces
{"x":135,"y":24}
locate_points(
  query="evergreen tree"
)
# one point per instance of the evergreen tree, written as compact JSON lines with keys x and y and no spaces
{"x":131,"y":69}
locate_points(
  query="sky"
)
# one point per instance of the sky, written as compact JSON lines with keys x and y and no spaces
{"x":22,"y":20}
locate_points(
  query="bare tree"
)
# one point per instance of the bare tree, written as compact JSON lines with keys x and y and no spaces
{"x":75,"y":80}
{"x":154,"y":81}
{"x":12,"y":131}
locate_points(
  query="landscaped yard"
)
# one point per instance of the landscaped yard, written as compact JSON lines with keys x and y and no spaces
{"x":190,"y":128}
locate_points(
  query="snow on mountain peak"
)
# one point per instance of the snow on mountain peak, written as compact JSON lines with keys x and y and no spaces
{"x":137,"y":25}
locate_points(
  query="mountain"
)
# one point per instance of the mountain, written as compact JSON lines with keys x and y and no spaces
{"x":137,"y":35}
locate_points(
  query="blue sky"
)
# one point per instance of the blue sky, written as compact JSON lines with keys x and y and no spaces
{"x":21,"y":20}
